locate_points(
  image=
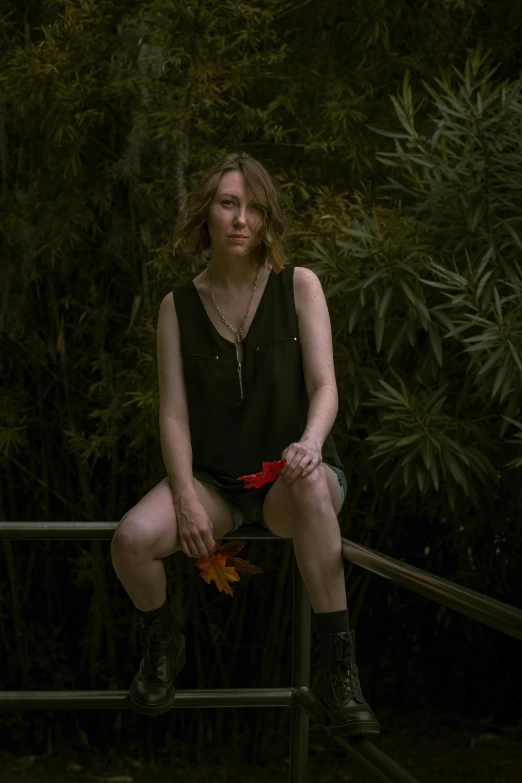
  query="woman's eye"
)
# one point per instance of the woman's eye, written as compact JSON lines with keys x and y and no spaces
{"x":256,"y":207}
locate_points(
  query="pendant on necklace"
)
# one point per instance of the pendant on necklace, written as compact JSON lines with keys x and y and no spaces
{"x":237,"y":344}
{"x":239,"y":370}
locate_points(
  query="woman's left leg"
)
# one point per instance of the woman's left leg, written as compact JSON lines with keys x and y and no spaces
{"x":306,"y":511}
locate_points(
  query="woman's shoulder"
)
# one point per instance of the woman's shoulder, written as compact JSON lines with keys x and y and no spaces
{"x":198,"y":280}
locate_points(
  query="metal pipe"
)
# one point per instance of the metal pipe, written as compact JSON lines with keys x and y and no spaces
{"x":301,"y":636}
{"x":503,"y":617}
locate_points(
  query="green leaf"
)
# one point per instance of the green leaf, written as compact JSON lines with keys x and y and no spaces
{"x":491,"y":361}
{"x":427,"y":453}
{"x":435,"y":343}
{"x":421,"y":478}
{"x":497,"y":303}
{"x":385,"y":301}
{"x":435,"y":474}
{"x":379,"y":332}
{"x":397,"y":342}
{"x":356,"y":232}
{"x":409,"y":439}
{"x":501,"y":375}
{"x":370,"y":280}
{"x":408,"y":292}
{"x":455,"y":469}
{"x":513,"y":233}
{"x":393,"y":392}
{"x":516,"y":357}
{"x":402,"y":118}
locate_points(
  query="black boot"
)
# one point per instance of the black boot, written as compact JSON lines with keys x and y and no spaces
{"x":338,"y":702}
{"x":152,"y":691}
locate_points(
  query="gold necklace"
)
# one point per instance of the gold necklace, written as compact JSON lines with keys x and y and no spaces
{"x":239,"y":336}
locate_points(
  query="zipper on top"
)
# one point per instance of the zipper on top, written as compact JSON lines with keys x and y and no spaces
{"x":239,"y":370}
{"x":240,"y":379}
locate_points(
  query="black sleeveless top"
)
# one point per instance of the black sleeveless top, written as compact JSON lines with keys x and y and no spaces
{"x":231,"y":436}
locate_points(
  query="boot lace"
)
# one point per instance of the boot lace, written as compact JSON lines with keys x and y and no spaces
{"x":344,"y":668}
{"x":150,"y":637}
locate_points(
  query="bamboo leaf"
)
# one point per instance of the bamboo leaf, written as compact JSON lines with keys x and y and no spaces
{"x":435,"y":343}
{"x":515,"y":355}
{"x":385,"y":301}
{"x":455,"y":469}
{"x":497,"y":303}
{"x":513,"y":233}
{"x":435,"y":474}
{"x":409,"y":439}
{"x":427,"y":453}
{"x":379,"y":332}
{"x":501,"y":376}
{"x":393,"y":392}
{"x":491,"y":361}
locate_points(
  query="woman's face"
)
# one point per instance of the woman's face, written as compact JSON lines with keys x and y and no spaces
{"x":231,"y":212}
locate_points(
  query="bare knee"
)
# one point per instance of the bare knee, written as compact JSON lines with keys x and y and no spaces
{"x":137,"y":538}
{"x":130,"y":539}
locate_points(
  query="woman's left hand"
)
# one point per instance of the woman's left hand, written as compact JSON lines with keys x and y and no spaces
{"x":301,"y":458}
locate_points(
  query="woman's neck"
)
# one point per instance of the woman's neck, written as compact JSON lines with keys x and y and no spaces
{"x":237,"y":280}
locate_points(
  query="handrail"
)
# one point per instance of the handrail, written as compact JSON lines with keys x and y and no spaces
{"x":489,"y":611}
{"x":92,"y":531}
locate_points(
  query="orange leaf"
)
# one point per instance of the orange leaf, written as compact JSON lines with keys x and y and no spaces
{"x":215,"y":567}
{"x":269,"y":472}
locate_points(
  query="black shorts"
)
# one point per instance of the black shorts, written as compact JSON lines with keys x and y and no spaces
{"x":249,"y":510}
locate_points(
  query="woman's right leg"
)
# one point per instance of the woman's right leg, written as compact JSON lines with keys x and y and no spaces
{"x":149,"y":532}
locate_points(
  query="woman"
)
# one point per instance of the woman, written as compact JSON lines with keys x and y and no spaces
{"x":246,"y":375}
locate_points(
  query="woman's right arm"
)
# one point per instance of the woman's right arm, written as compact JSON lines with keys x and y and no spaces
{"x":177,"y":458}
{"x":174,"y":426}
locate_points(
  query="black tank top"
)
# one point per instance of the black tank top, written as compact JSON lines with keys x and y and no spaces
{"x":231,"y":436}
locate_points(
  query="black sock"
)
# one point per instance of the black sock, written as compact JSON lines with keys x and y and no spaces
{"x":149,"y":617}
{"x":332,"y":622}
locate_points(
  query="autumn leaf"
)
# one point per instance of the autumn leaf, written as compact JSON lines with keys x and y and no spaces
{"x":269,"y":472}
{"x":215,"y":568}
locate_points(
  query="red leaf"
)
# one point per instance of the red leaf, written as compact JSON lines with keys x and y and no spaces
{"x":269,"y":472}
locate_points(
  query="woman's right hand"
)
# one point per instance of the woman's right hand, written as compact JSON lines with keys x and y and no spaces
{"x":194,"y":528}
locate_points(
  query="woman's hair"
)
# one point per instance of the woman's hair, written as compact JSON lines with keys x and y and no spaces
{"x":192,"y":229}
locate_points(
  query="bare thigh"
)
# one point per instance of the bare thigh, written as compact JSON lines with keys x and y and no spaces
{"x":150,"y":527}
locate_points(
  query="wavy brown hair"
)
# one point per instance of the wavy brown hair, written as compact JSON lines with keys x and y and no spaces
{"x":192,"y":231}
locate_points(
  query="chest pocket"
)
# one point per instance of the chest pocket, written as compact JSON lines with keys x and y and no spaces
{"x":278,"y":358}
{"x":210,"y":377}
{"x":282,"y":342}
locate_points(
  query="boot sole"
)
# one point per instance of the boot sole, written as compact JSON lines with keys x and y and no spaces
{"x":353,"y":729}
{"x":162,"y":707}
{"x":347,"y":729}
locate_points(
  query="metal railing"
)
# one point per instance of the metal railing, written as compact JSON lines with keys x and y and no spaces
{"x":489,"y":611}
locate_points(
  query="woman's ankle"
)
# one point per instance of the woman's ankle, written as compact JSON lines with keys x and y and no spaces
{"x":151,"y":614}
